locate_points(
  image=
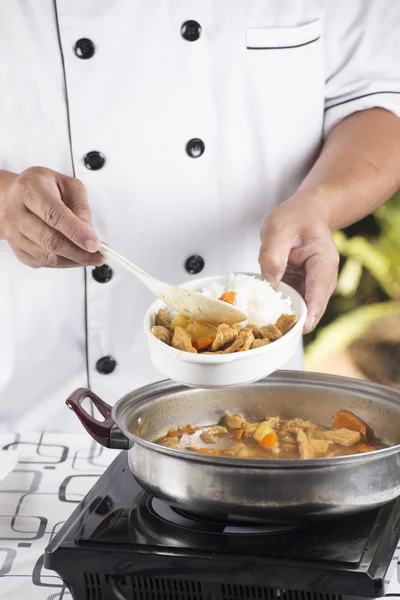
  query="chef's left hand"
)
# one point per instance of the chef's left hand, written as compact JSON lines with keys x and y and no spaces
{"x":297,"y":248}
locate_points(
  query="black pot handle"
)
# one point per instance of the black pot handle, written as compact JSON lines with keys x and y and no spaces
{"x":99,"y":430}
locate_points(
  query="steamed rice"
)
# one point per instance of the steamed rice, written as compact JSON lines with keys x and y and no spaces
{"x":257,"y":298}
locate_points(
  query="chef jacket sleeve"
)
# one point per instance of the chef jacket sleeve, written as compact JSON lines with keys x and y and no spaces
{"x":362,"y":61}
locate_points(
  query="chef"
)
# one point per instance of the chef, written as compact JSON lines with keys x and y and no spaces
{"x":172,"y":130}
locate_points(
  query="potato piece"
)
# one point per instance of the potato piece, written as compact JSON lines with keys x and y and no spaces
{"x":225,"y":335}
{"x":271,"y":333}
{"x":243,"y":452}
{"x":233,"y":422}
{"x":181,"y":340}
{"x":163,"y":319}
{"x":285,"y":323}
{"x":212,"y":435}
{"x":265,"y":435}
{"x":344,"y":437}
{"x":161,"y":333}
{"x":257,"y":343}
{"x":180,"y":321}
{"x":344,"y":419}
{"x":198,"y":331}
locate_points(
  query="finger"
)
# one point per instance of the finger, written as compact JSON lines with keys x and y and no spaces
{"x":44,"y":200}
{"x":296,"y":281}
{"x":27,"y":259}
{"x":274,"y":253}
{"x":321,"y":278}
{"x":74,"y":195}
{"x":54,"y":242}
{"x":41,"y":256}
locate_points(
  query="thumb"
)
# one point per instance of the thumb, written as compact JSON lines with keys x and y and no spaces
{"x":274,"y":255}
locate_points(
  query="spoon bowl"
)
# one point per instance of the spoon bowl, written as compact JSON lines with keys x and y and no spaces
{"x":188,"y":302}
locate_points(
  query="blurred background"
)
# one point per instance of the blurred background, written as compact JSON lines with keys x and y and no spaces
{"x":359,"y":335}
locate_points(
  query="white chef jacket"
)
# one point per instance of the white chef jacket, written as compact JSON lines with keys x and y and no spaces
{"x":260,"y":85}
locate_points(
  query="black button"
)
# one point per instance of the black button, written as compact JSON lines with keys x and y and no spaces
{"x":194,"y":264}
{"x":94,"y":160}
{"x":191,"y":31}
{"x":106,"y":365}
{"x":195,"y":147}
{"x":102,"y":274}
{"x":84,"y":48}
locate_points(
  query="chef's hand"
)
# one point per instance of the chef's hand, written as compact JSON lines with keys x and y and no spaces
{"x":46,"y":219}
{"x":297,"y":248}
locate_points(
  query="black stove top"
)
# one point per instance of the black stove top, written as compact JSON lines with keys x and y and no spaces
{"x":122,"y":543}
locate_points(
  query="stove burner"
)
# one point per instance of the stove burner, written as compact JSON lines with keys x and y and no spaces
{"x":160,"y":552}
{"x":232,"y":524}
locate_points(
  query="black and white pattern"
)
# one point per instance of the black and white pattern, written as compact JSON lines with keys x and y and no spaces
{"x":53,"y":474}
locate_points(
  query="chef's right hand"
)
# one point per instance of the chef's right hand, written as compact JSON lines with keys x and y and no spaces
{"x":45,"y":217}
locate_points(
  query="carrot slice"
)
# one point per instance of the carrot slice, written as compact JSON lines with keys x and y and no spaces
{"x":345,"y":419}
{"x":209,"y":452}
{"x":229,"y":297}
{"x":268,"y":441}
{"x":203,"y":343}
{"x":361,"y":447}
{"x":237,"y":434}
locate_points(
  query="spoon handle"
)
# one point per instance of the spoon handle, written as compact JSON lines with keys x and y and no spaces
{"x":147,"y":279}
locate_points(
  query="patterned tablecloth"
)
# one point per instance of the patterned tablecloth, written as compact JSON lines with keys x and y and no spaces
{"x":54,"y":472}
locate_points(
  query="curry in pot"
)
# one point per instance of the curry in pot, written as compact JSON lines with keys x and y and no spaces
{"x":276,"y":438}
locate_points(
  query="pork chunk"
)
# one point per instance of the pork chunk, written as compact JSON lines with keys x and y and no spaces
{"x":225,"y":335}
{"x":163,"y":319}
{"x":257,"y":343}
{"x":233,"y":422}
{"x":212,"y":435}
{"x":344,"y":437}
{"x":162,"y":333}
{"x":246,"y":338}
{"x":285,"y":323}
{"x":181,"y":340}
{"x":310,"y":448}
{"x":270,"y":333}
{"x":256,"y":332}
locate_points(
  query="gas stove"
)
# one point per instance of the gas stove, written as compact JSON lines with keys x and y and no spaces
{"x":121,"y":543}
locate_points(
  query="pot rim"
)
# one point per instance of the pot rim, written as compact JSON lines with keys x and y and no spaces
{"x":137,"y":397}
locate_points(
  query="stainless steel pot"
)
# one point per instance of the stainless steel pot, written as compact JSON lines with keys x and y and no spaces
{"x":276,"y":490}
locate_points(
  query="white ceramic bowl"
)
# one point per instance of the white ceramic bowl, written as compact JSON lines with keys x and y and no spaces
{"x":224,"y":370}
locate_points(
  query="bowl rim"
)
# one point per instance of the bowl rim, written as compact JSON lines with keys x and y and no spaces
{"x":227,"y":358}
